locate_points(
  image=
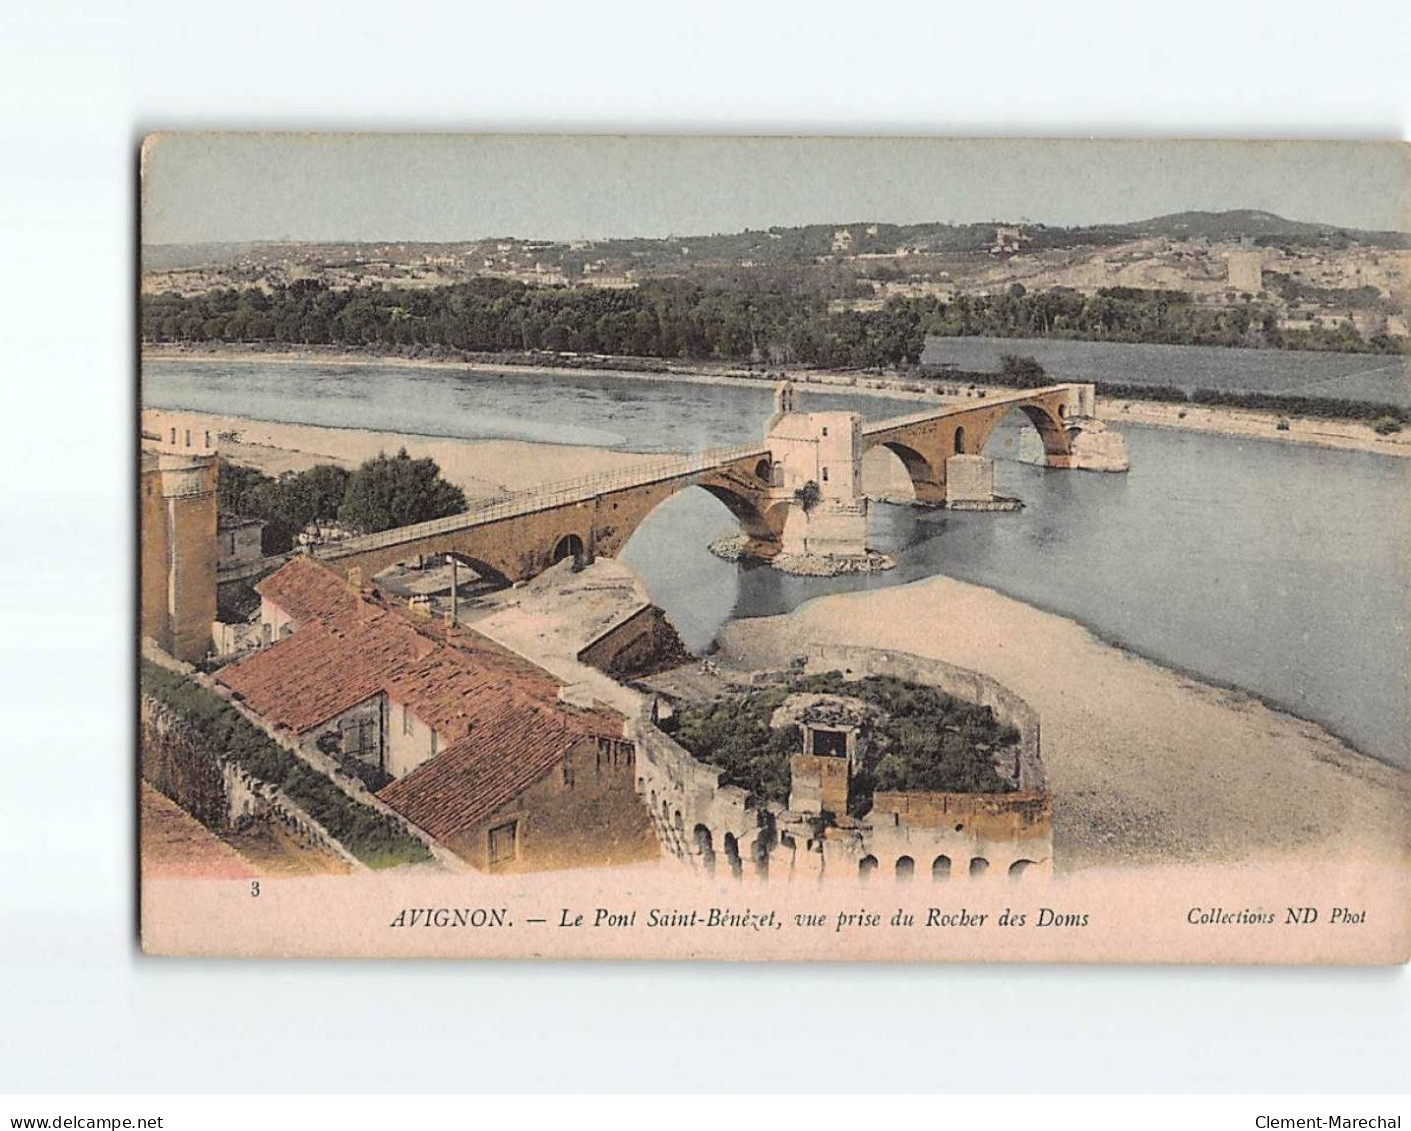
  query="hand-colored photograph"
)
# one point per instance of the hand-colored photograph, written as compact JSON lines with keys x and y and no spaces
{"x":774,"y":548}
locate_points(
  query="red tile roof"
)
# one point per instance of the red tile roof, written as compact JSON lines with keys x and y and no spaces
{"x":322,"y":670}
{"x":453,"y":792}
{"x":497,"y":714}
{"x":306,"y":590}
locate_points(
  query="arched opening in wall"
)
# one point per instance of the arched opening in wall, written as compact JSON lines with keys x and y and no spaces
{"x":760,"y":855}
{"x":473,"y":575}
{"x":763,"y":471}
{"x":677,"y":823}
{"x":940,"y":868}
{"x":705,"y":849}
{"x":732,"y":855}
{"x":890,"y":472}
{"x":906,"y":868}
{"x":1062,"y":412}
{"x":1026,"y":434}
{"x":569,"y":546}
{"x":1019,"y":867}
{"x":866,"y":866}
{"x":958,"y":440}
{"x":978,"y":867}
{"x":670,"y":552}
{"x":776,"y":474}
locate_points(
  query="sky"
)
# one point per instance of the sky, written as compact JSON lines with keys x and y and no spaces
{"x":207,"y":187}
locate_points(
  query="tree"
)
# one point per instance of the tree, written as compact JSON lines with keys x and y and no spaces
{"x":387,"y":492}
{"x":1025,"y":372}
{"x":808,"y":496}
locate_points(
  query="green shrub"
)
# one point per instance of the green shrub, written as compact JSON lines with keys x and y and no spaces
{"x":1386,"y":426}
{"x":924,"y":741}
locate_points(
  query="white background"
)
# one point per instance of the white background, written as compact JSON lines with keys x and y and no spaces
{"x":80,"y":1009}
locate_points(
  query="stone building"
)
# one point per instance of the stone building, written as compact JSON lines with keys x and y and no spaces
{"x":1245,"y":271}
{"x":820,"y":452}
{"x":177,"y":534}
{"x":240,"y":540}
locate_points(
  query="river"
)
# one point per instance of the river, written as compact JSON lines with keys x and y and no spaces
{"x":1279,"y":569}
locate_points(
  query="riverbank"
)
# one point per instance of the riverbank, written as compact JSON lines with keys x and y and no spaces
{"x":1317,"y":432}
{"x":483,"y":469}
{"x":839,"y":381}
{"x":1147,"y":766}
{"x":1346,"y":435}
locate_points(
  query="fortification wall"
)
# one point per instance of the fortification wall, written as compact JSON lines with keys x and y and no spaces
{"x":972,"y":686}
{"x":923,"y":836}
{"x":216,"y":791}
{"x":698,"y":820}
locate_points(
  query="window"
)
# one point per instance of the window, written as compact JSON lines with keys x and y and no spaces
{"x":188,"y":437}
{"x":825,"y":431}
{"x":504,"y":842}
{"x":407,"y":725}
{"x":435,"y":743}
{"x":567,"y":774}
{"x":825,"y":475}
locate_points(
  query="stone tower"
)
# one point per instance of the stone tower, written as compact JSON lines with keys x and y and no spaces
{"x":178,"y":535}
{"x":820,"y":451}
{"x":786,"y":401}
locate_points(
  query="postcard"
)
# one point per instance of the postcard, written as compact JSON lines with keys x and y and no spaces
{"x":878,"y":549}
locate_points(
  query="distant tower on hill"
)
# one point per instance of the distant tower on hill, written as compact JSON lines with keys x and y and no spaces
{"x":178,"y":535}
{"x":1245,"y":271}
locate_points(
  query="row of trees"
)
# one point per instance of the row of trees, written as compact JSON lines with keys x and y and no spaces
{"x":676,"y":319}
{"x":385,"y":492}
{"x":666,"y":320}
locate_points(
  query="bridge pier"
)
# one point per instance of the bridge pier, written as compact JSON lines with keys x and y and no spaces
{"x":929,"y":493}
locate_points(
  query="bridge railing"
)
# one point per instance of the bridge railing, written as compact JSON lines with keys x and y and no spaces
{"x":936,"y":413}
{"x":544,"y":497}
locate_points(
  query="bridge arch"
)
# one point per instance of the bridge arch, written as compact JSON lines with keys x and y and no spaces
{"x":569,"y":546}
{"x":1049,"y":424}
{"x":920,"y":471}
{"x":760,"y":518}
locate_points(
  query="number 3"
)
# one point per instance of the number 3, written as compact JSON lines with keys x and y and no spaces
{"x":254,"y":889}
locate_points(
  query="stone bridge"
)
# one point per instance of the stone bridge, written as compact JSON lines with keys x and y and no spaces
{"x":514,"y":539}
{"x":925,"y":440}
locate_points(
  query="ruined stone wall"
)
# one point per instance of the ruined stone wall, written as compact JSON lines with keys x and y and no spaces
{"x":175,"y":766}
{"x":906,"y":836}
{"x":697,"y":820}
{"x":643,"y":643}
{"x":962,"y":683}
{"x":216,"y":791}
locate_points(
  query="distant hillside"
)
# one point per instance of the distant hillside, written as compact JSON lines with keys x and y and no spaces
{"x":1264,"y":227}
{"x":781,"y":244}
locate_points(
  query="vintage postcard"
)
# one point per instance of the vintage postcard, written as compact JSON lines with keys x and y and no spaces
{"x":775,"y":548}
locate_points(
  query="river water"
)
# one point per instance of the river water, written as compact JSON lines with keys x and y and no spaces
{"x":1275,"y":568}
